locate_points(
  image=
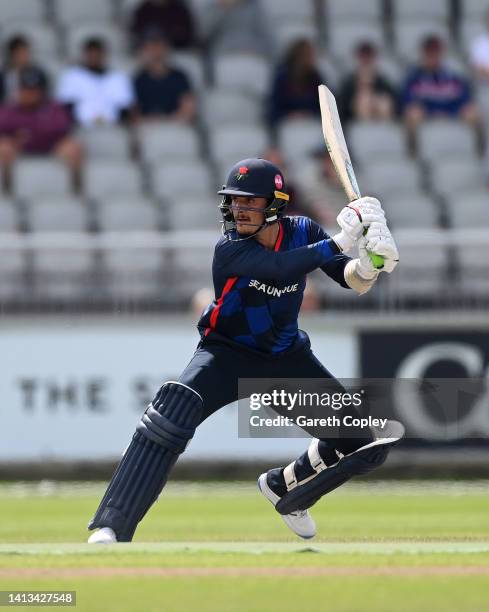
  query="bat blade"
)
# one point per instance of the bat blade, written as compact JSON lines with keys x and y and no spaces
{"x":336,"y":143}
{"x":338,"y":151}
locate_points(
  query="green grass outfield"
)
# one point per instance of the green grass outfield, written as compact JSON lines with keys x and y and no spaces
{"x":221,"y":547}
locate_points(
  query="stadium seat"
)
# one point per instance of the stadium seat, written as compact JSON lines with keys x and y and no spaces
{"x":411,"y":210}
{"x":191,"y":64}
{"x":12,"y":270}
{"x":109,"y":142}
{"x":198,"y":212}
{"x":409,"y":34}
{"x":107,"y":178}
{"x":470,"y":29}
{"x":232,"y":143}
{"x":286,"y":33}
{"x":457,"y":176}
{"x":376,"y":140}
{"x":68,"y":12}
{"x":54,"y":68}
{"x":50,"y":214}
{"x":174,"y":180}
{"x":125,"y":8}
{"x":366,"y":10}
{"x":420,"y":9}
{"x":168,"y":140}
{"x":126,"y":214}
{"x":421,"y":277}
{"x":133,"y":274}
{"x":9,"y":217}
{"x":36,"y":177}
{"x":299,"y":138}
{"x":63,"y":274}
{"x":483,"y":102}
{"x":288,"y":10}
{"x":445,"y":138}
{"x":474,"y":270}
{"x":43,"y":38}
{"x":22,"y":10}
{"x":330,"y":70}
{"x":233,"y":72}
{"x":221,"y":107}
{"x":391,"y":177}
{"x":473,"y":8}
{"x":192,"y":268}
{"x":345,"y":35}
{"x":78,"y":33}
{"x":469,"y":210}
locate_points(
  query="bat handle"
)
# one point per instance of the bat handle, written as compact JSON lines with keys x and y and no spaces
{"x":377,"y":260}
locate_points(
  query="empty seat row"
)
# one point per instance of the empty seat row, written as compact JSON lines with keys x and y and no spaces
{"x":343,"y":36}
{"x":438,"y":138}
{"x":275,"y":10}
{"x":112,"y":214}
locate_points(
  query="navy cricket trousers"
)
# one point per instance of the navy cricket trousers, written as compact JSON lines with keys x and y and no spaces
{"x":218,"y":364}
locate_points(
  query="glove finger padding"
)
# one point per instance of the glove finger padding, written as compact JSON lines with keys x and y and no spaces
{"x":379,"y":241}
{"x":362,"y":205}
{"x":365,"y":266}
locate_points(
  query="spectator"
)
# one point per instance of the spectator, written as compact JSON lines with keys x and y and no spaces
{"x":36,"y":125}
{"x":18,"y":56}
{"x":434,"y":90}
{"x":94,"y":92}
{"x":235,"y":26}
{"x":321,"y":189}
{"x":172,"y":17}
{"x":366,"y":94}
{"x":295,"y":85}
{"x":162,"y":91}
{"x":479,"y":53}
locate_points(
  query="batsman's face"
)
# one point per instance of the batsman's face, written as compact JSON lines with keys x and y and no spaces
{"x":248,"y":213}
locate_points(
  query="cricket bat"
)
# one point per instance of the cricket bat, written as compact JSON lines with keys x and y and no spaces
{"x":338,"y":151}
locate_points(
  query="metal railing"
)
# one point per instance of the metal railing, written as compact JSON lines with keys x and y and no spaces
{"x":435,"y":271}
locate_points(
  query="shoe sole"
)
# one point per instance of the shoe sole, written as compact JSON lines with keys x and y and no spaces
{"x":284,"y":516}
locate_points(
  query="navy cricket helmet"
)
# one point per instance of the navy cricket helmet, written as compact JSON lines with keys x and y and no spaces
{"x":254,"y":177}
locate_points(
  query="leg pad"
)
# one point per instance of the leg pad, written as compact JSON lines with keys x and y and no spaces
{"x":304,"y":494}
{"x":163,"y":433}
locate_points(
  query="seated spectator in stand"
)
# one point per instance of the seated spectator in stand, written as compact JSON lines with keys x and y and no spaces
{"x":172,"y":17}
{"x":295,"y":85}
{"x":18,"y":55}
{"x":162,"y":92}
{"x":93,"y":91}
{"x":321,"y":189}
{"x":366,"y":94}
{"x":433,"y":90}
{"x":479,"y":53}
{"x":36,"y":125}
{"x":235,"y":26}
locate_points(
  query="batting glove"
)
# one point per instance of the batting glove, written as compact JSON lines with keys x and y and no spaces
{"x":355,"y":218}
{"x":379,"y":241}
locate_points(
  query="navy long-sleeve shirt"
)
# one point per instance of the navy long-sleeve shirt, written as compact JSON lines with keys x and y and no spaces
{"x":259,"y":291}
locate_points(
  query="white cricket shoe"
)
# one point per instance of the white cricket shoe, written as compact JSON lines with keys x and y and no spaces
{"x":300,"y":521}
{"x":105,"y":535}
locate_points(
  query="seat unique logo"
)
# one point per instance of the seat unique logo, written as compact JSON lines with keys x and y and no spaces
{"x":271,"y":290}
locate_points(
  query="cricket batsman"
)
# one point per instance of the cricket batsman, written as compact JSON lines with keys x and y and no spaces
{"x":250,"y":330}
